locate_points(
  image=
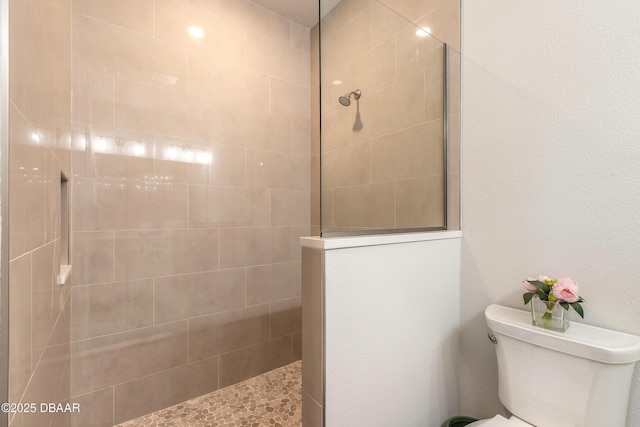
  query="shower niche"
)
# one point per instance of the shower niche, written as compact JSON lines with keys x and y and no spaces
{"x":388,"y":93}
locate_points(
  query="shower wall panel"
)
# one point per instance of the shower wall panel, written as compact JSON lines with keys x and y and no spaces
{"x":383,"y":156}
{"x":39,"y":138}
{"x":191,"y":191}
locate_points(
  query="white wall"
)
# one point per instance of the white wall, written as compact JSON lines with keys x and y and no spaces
{"x":551,"y":167}
{"x":391,"y":320}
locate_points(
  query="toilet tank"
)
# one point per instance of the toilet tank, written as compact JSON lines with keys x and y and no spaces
{"x":579,"y":378}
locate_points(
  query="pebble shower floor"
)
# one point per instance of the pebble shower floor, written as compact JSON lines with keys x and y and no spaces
{"x":273,"y":399}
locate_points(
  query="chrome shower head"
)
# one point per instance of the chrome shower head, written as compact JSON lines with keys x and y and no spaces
{"x":346,"y":98}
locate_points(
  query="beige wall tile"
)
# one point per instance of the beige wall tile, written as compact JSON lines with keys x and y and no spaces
{"x":182,"y":172}
{"x":266,"y":283}
{"x":254,"y":129}
{"x":415,"y":53}
{"x":355,"y":37}
{"x":337,"y":127}
{"x":371,"y":205}
{"x":92,"y":257}
{"x":113,"y":152}
{"x":27,"y":212}
{"x":97,"y":204}
{"x":444,"y":22}
{"x":300,"y":37}
{"x":276,"y":59}
{"x":385,"y":23}
{"x":46,"y":307}
{"x":20,"y":371}
{"x":221,"y":37}
{"x":61,"y":333}
{"x":413,"y":9}
{"x":258,"y":19}
{"x":40,"y":30}
{"x":409,"y":153}
{"x":289,"y":99}
{"x":96,"y":409}
{"x":140,"y":254}
{"x":50,"y":380}
{"x":312,"y":323}
{"x":314,"y":217}
{"x":229,"y":165}
{"x":227,"y":331}
{"x":301,"y":137}
{"x":296,"y":248}
{"x":315,"y":173}
{"x":113,"y":166}
{"x":191,"y":295}
{"x":335,"y":20}
{"x":434,"y":93}
{"x":107,"y":49}
{"x":156,"y":204}
{"x":61,"y":419}
{"x":285,"y":317}
{"x":113,"y":359}
{"x":227,"y":206}
{"x":135,"y":15}
{"x":222,"y":81}
{"x":420,"y":202}
{"x":33,"y":91}
{"x":289,"y":207}
{"x":254,"y":246}
{"x":112,"y":307}
{"x":296,"y":346}
{"x":373,"y":70}
{"x":399,"y":106}
{"x":45,"y":267}
{"x":145,"y":395}
{"x":347,"y":166}
{"x":255,"y":360}
{"x":144,"y":108}
{"x":276,"y":170}
{"x":327,"y":208}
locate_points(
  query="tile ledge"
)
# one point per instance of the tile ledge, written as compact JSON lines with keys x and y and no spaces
{"x":327,"y":243}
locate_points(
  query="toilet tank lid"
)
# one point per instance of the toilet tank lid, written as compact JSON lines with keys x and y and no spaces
{"x":590,"y":342}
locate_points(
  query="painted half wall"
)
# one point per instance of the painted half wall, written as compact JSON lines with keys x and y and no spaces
{"x":550,"y":168}
{"x":391,"y":313}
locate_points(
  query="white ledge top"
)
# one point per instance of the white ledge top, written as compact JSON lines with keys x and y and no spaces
{"x":376,"y":239}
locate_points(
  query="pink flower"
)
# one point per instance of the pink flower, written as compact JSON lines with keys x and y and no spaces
{"x":528,"y":286}
{"x":566,"y":289}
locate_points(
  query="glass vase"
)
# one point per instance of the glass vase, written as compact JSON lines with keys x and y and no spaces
{"x":549,"y":315}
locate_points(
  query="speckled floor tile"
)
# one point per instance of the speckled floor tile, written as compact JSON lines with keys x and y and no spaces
{"x":272,"y":399}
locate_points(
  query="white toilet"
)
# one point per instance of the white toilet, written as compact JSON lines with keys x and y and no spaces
{"x":579,"y":378}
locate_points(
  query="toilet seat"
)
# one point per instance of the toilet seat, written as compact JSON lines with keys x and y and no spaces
{"x":500,"y":421}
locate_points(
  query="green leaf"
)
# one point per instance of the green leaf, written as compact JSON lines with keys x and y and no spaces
{"x":542,"y":295}
{"x":565,"y":305}
{"x":578,"y":308}
{"x":527,"y":297}
{"x":542,"y":286}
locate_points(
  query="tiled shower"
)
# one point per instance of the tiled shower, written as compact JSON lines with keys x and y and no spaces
{"x":192,"y":170}
{"x":189,"y":163}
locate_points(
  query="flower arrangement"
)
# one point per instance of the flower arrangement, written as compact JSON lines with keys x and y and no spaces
{"x":552,"y":292}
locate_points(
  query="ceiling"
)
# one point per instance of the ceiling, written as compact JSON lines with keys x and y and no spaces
{"x":304,"y":12}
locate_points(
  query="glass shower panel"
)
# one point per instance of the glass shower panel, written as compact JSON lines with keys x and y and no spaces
{"x":383,"y":118}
